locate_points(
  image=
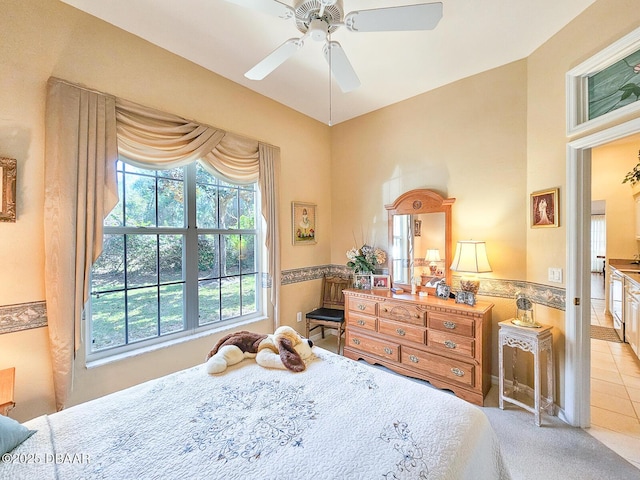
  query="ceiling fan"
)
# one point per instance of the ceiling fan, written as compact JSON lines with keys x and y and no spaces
{"x":319,"y":18}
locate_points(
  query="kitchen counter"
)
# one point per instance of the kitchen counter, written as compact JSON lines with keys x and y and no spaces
{"x":627,"y":268}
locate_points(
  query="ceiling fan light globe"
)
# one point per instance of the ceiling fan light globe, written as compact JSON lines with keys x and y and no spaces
{"x":318,"y":30}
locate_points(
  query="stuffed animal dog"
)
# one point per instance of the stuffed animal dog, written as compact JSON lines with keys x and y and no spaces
{"x":284,"y":349}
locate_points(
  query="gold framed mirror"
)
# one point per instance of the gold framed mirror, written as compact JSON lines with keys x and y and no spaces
{"x":420,"y":239}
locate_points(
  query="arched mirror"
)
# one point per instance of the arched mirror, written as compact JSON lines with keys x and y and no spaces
{"x":420,"y":238}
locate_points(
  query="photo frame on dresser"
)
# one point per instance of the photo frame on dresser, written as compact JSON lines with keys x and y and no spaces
{"x":380,"y":282}
{"x":362,"y":282}
{"x":468,"y":298}
{"x":443,"y":290}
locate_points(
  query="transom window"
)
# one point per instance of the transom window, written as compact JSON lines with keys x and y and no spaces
{"x":181,"y":254}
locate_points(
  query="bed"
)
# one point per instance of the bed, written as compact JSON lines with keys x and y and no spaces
{"x":339,"y":419}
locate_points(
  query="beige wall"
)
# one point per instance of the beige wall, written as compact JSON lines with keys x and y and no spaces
{"x":41,"y":38}
{"x":609,"y":165}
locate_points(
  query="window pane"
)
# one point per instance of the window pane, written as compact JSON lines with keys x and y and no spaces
{"x":230,"y":297}
{"x":231,"y":254}
{"x":108,"y":271}
{"x":208,"y":256}
{"x":203,"y":176}
{"x":248,"y":254}
{"x":228,"y":198}
{"x":207,"y":206}
{"x":171,"y":311}
{"x":171,"y":247}
{"x":142,"y":263}
{"x":170,"y":203}
{"x":140,"y":201}
{"x":142,"y":312}
{"x":247,"y":209}
{"x":108,"y":320}
{"x":249,"y":299}
{"x":209,"y":301}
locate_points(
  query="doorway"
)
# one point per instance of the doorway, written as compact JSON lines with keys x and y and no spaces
{"x":578,"y":310}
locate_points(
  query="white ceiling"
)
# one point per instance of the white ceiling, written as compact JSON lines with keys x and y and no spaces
{"x":473,"y":36}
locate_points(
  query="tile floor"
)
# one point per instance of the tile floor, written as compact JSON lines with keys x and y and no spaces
{"x":615,"y":388}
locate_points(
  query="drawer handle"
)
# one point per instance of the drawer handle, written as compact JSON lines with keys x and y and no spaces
{"x":457,"y":372}
{"x":361,"y":307}
{"x":356,"y":341}
{"x":361,"y":322}
{"x":450,"y":344}
{"x":449,"y":325}
{"x":401,"y":332}
{"x":413,"y":358}
{"x":385,"y":309}
{"x":388,"y":351}
{"x":417,"y":315}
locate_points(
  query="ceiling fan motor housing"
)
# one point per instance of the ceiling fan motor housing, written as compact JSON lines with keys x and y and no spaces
{"x":308,"y":18}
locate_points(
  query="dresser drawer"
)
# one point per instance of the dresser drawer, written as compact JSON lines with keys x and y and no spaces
{"x":448,"y":342}
{"x":360,"y":305}
{"x":453,"y":370}
{"x":403,"y":312}
{"x":402,"y":331}
{"x":381,"y":348}
{"x":358,"y":320}
{"x":452,"y":324}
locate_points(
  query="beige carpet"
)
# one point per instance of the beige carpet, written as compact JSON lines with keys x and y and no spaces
{"x":607,"y":334}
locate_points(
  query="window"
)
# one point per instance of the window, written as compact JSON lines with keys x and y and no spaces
{"x":181,"y":254}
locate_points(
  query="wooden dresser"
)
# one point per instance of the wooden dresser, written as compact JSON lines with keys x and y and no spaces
{"x":437,"y":340}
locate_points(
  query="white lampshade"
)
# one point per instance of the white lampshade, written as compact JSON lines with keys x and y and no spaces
{"x":433,"y":255}
{"x":471,"y":257}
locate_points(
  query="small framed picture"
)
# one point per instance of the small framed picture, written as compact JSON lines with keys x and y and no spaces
{"x":380,"y":282}
{"x":303,"y":223}
{"x":7,"y":190}
{"x":544,"y":208}
{"x":443,"y":290}
{"x":417,"y":228}
{"x":468,"y":298}
{"x":362,"y":282}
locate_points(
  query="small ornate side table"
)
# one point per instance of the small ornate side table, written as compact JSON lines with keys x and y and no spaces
{"x":536,"y":341}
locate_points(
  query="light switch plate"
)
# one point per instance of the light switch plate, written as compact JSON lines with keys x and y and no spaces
{"x":555,"y":275}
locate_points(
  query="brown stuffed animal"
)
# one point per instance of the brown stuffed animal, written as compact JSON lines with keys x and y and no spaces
{"x":285,"y":349}
{"x":232,"y":349}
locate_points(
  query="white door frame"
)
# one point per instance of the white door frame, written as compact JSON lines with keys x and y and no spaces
{"x":578,"y":315}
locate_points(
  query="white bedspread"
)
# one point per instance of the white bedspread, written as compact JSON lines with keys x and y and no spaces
{"x":339,"y":419}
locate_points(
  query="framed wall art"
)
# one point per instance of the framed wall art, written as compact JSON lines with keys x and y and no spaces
{"x":8,"y":172}
{"x":606,"y":86}
{"x":544,"y":208}
{"x":303,"y":223}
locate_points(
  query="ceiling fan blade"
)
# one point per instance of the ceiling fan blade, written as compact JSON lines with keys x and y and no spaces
{"x":274,"y":59}
{"x":342,"y":70}
{"x":271,"y":7}
{"x":424,"y":16}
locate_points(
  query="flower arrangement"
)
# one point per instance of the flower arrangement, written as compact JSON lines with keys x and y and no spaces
{"x":365,"y":258}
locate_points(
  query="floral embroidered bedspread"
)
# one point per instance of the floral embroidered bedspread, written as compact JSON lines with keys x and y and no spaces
{"x":339,"y":419}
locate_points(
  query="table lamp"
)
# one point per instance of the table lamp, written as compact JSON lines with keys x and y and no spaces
{"x":432,"y":256}
{"x":470,"y":257}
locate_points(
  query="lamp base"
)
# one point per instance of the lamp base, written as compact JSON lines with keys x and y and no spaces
{"x":469,"y":285}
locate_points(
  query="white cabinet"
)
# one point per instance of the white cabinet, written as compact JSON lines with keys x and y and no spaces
{"x":632,"y":315}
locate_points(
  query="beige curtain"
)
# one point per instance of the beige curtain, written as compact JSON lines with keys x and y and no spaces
{"x":80,"y":156}
{"x":85,"y":130}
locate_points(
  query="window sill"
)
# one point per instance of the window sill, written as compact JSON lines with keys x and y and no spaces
{"x":96,"y":363}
